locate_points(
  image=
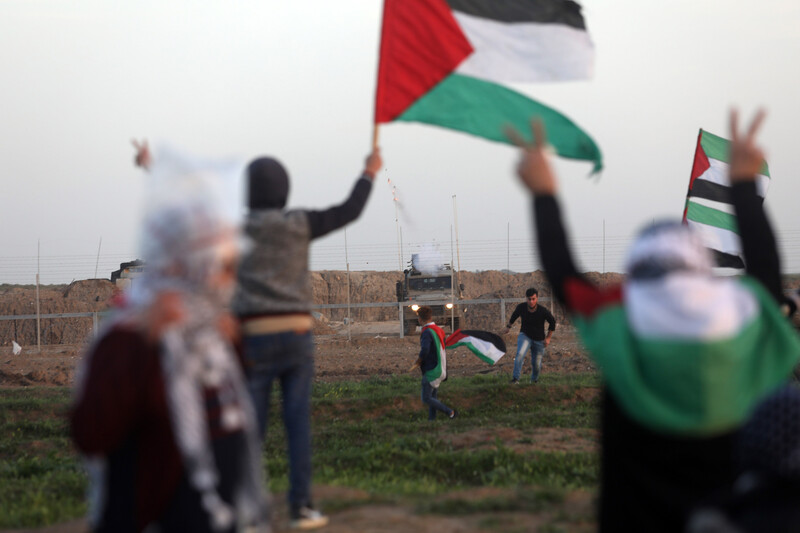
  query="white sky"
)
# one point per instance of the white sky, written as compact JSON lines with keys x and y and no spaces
{"x":296,"y":80}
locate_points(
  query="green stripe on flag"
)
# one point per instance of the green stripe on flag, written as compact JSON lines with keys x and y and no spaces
{"x":712,"y":217}
{"x":484,"y":109}
{"x":474,"y":350}
{"x":715,"y":147}
{"x":718,"y":148}
{"x":701,"y":386}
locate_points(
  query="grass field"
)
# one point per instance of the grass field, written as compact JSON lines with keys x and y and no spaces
{"x":534,"y":444}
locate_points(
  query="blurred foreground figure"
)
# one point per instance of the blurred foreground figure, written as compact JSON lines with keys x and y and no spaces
{"x":766,"y":497}
{"x":685,"y":355}
{"x":161,"y":405}
{"x":273,"y":301}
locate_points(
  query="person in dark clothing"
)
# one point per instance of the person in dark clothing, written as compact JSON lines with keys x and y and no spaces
{"x":273,"y":301}
{"x":432,"y":362}
{"x":764,"y":498}
{"x":685,"y":355}
{"x":531,"y":333}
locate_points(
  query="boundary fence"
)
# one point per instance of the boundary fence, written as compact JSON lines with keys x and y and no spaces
{"x":97,"y":316}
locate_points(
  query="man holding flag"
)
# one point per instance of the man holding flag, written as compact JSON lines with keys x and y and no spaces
{"x":432,"y":363}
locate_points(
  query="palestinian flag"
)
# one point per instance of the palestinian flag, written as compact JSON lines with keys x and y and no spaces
{"x":708,"y":209}
{"x":686,"y":355}
{"x":437,"y":374}
{"x":448,"y":63}
{"x":487,"y":346}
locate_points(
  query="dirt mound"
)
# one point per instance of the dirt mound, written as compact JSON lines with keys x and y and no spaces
{"x":79,"y":297}
{"x":98,"y":291}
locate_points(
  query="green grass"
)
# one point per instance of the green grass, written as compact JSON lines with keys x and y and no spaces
{"x":42,"y":480}
{"x":372,"y":435}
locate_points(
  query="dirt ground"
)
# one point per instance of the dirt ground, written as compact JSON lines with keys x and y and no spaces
{"x":374,"y":349}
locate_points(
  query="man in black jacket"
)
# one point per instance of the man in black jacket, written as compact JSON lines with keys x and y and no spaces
{"x":531,"y":333}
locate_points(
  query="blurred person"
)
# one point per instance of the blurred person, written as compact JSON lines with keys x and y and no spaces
{"x":273,"y":301}
{"x":765,"y":498}
{"x":432,"y":362}
{"x":161,"y":406}
{"x":685,"y":355}
{"x":531,"y":333}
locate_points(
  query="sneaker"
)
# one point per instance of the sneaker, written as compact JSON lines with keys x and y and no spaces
{"x":515,"y":381}
{"x":307,"y":518}
{"x":454,"y":414}
{"x":535,"y":380}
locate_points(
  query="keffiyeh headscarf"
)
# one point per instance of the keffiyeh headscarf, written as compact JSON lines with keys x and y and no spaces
{"x":671,"y":291}
{"x":187,"y":240}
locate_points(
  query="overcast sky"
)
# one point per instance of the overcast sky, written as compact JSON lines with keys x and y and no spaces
{"x":296,"y":80}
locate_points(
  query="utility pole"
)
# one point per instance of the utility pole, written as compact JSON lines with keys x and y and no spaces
{"x":395,"y":200}
{"x":455,"y":220}
{"x":452,"y":286}
{"x":347,"y":262}
{"x":38,"y":319}
{"x":508,"y":260}
{"x":97,"y":264}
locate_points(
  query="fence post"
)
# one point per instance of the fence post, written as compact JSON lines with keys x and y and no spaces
{"x":94,"y":324}
{"x":402,"y":325}
{"x":503,"y":311}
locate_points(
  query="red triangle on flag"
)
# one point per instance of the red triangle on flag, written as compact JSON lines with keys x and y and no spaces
{"x":700,"y":165}
{"x":421,"y":44}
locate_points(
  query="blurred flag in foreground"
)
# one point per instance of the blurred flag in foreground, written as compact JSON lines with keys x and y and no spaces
{"x":708,"y":208}
{"x":448,"y":63}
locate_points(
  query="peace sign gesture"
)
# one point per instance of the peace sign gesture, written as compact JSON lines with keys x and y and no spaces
{"x":534,"y":167}
{"x":143,"y":158}
{"x":746,"y":159}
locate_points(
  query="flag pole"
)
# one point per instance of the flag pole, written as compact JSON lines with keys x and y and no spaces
{"x":375,"y":132}
{"x":689,"y":189}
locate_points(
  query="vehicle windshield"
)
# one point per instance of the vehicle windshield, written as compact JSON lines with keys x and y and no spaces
{"x":429,"y":284}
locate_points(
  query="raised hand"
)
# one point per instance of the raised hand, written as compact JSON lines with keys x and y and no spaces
{"x":534,"y":167}
{"x":143,"y":158}
{"x":373,"y":163}
{"x":746,"y":158}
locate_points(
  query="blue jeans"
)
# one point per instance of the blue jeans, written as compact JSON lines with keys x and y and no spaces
{"x":288,"y":357}
{"x":524,"y":343}
{"x":429,"y":398}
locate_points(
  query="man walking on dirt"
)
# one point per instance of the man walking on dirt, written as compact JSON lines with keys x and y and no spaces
{"x":531,"y":333}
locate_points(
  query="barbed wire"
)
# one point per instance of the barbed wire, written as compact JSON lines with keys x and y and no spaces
{"x":517,"y":255}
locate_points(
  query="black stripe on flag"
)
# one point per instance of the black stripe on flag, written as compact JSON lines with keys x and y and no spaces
{"x":723,"y":260}
{"x":487,"y":336}
{"x":709,"y":190}
{"x":543,"y":11}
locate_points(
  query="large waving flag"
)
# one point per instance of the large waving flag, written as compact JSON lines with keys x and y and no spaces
{"x":708,"y":207}
{"x":447,"y":63}
{"x":489,"y":347}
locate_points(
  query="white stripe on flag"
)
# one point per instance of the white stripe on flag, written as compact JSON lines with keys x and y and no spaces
{"x":718,"y":238}
{"x":525,"y":51}
{"x":717,"y":173}
{"x":485,"y":347}
{"x":719,"y":206}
